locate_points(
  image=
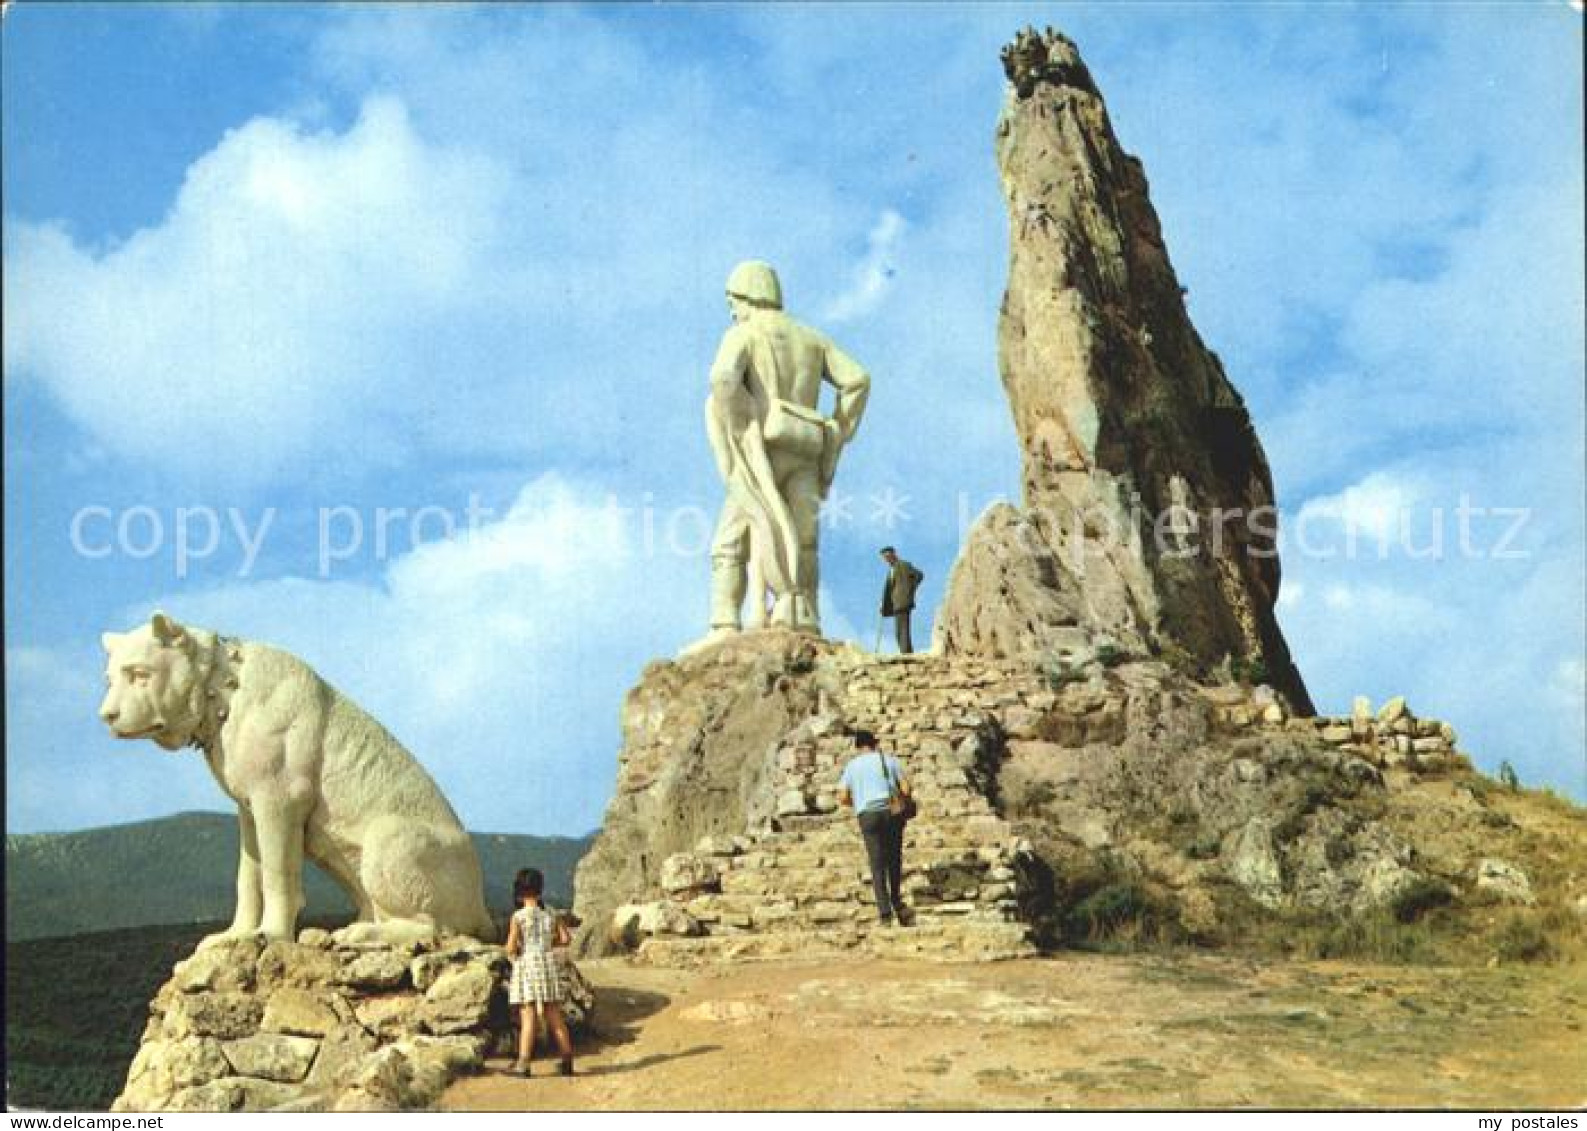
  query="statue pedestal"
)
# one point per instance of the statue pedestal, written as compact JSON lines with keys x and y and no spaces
{"x":725,"y":839}
{"x":326,"y":1024}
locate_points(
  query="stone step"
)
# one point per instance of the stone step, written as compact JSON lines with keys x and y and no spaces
{"x":921,"y":850}
{"x":840,"y":918}
{"x":967,"y":834}
{"x":956,"y":941}
{"x":852,"y":867}
{"x":950,"y":786}
{"x":802,"y":885}
{"x":780,"y":911}
{"x":934,"y":812}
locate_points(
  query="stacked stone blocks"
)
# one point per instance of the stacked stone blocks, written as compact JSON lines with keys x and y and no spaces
{"x":325,"y":1023}
{"x":800,"y":879}
{"x":1391,"y":738}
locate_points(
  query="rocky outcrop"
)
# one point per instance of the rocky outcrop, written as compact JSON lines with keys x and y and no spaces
{"x":1043,"y":789}
{"x":699,"y":742}
{"x":1147,"y":498}
{"x":1210,"y":803}
{"x":325,"y":1024}
{"x":726,"y":840}
{"x":1008,"y":596}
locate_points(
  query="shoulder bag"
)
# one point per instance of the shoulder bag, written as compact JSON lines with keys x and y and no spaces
{"x":899,"y":803}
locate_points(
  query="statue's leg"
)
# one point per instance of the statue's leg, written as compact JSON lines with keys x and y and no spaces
{"x":279,"y":824}
{"x":756,"y":615}
{"x":422,"y":880}
{"x":341,"y":863}
{"x":802,"y":490}
{"x":729,"y":554}
{"x":250,"y":894}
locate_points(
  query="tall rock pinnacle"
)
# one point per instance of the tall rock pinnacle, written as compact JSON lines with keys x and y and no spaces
{"x":1147,"y":498}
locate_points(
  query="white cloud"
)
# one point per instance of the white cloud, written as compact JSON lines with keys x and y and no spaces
{"x":1291,"y":593}
{"x":498,"y":657}
{"x":281,"y":315}
{"x":1297,"y":161}
{"x":1494,"y":339}
{"x":1486,"y":644}
{"x":1385,"y":609}
{"x":1338,"y":597}
{"x":658,"y":181}
{"x":1380,"y":506}
{"x":873,"y":275}
{"x":504,"y":258}
{"x":490,"y":655}
{"x":49,"y":676}
{"x":1569,"y":684}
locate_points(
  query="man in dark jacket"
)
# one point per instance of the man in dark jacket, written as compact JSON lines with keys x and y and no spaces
{"x":898,"y":595}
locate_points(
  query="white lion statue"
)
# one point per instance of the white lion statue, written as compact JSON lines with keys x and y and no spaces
{"x":311,"y":774}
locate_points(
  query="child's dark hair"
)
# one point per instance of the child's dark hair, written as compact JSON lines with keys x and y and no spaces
{"x":529,"y":881}
{"x":864,"y":740}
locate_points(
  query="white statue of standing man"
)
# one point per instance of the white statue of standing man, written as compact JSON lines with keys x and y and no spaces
{"x":777,"y":454}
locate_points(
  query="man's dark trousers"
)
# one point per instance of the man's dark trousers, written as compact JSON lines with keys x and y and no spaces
{"x":884,"y":847}
{"x":906,"y":643}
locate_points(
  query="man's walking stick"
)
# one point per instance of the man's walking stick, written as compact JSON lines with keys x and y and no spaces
{"x":878,"y":647}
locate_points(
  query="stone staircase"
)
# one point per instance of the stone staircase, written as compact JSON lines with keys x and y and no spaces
{"x":799,"y":883}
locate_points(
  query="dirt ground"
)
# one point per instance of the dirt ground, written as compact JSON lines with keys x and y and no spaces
{"x":1073,"y":1031}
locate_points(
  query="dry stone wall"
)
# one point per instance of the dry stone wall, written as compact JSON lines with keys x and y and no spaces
{"x":1391,"y":737}
{"x":324,"y":1024}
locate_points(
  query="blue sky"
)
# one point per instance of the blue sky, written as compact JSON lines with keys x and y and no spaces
{"x":291,"y":265}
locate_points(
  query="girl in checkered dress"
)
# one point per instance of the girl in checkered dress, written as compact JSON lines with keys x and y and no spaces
{"x":536,"y":986}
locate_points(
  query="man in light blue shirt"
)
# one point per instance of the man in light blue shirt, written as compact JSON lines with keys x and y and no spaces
{"x":869,"y":779}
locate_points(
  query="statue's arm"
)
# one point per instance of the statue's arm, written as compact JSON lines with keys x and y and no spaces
{"x":729,"y":392}
{"x":853,"y":384}
{"x":728,"y":407}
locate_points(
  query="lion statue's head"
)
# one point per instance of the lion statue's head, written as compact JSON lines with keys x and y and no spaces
{"x":158,"y":677}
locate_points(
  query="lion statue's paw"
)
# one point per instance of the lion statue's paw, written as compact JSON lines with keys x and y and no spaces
{"x":225,"y":938}
{"x":390,"y":932}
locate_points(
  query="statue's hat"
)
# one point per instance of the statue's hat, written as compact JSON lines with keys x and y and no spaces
{"x":756,"y":282}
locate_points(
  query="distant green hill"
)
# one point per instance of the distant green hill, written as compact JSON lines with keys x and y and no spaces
{"x":183,"y":869}
{"x":75,"y":1008}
